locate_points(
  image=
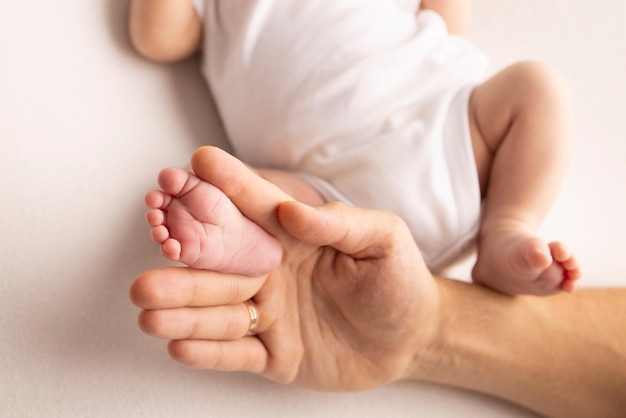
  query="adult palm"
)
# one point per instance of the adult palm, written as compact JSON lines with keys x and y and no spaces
{"x":350,"y":307}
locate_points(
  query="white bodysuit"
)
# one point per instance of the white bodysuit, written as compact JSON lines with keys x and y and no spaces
{"x":361,"y":98}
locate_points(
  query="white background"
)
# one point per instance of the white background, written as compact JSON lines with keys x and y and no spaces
{"x":85,"y":125}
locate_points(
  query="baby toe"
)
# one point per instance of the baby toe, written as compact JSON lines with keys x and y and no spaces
{"x":155,"y":217}
{"x":159,"y":234}
{"x":176,"y":181}
{"x":171,"y":249}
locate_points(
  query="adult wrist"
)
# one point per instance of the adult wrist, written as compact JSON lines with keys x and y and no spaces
{"x":469,"y":322}
{"x":429,"y":356}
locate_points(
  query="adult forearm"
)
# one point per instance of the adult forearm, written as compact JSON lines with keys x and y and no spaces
{"x":164,"y":30}
{"x":562,"y":356}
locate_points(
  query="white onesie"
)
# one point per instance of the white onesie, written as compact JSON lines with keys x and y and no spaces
{"x":362,"y":98}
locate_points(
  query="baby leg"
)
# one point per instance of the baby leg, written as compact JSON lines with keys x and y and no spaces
{"x":196,"y":224}
{"x":521,"y":129}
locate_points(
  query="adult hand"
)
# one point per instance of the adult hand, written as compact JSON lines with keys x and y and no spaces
{"x":353,"y":306}
{"x":350,"y":307}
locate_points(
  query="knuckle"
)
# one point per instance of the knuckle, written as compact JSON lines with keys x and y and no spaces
{"x":234,"y":326}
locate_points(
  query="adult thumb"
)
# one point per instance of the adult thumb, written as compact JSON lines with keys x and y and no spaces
{"x":358,"y":232}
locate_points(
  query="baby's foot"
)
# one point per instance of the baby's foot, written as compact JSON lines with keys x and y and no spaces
{"x":515,"y":263}
{"x":196,"y":224}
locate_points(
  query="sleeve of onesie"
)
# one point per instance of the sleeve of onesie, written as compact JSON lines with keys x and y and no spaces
{"x":199,"y":6}
{"x":409,"y":5}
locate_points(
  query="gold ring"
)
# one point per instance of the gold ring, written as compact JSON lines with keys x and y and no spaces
{"x":254,"y":315}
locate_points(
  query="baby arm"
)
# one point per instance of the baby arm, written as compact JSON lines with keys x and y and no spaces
{"x":456,"y":13}
{"x":164,"y":30}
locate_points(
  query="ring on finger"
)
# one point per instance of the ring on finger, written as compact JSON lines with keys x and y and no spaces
{"x":254,"y":316}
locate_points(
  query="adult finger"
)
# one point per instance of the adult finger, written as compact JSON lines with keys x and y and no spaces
{"x":255,"y":197}
{"x":175,"y":287}
{"x":245,"y":354}
{"x":354,"y":231}
{"x":228,"y":322}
